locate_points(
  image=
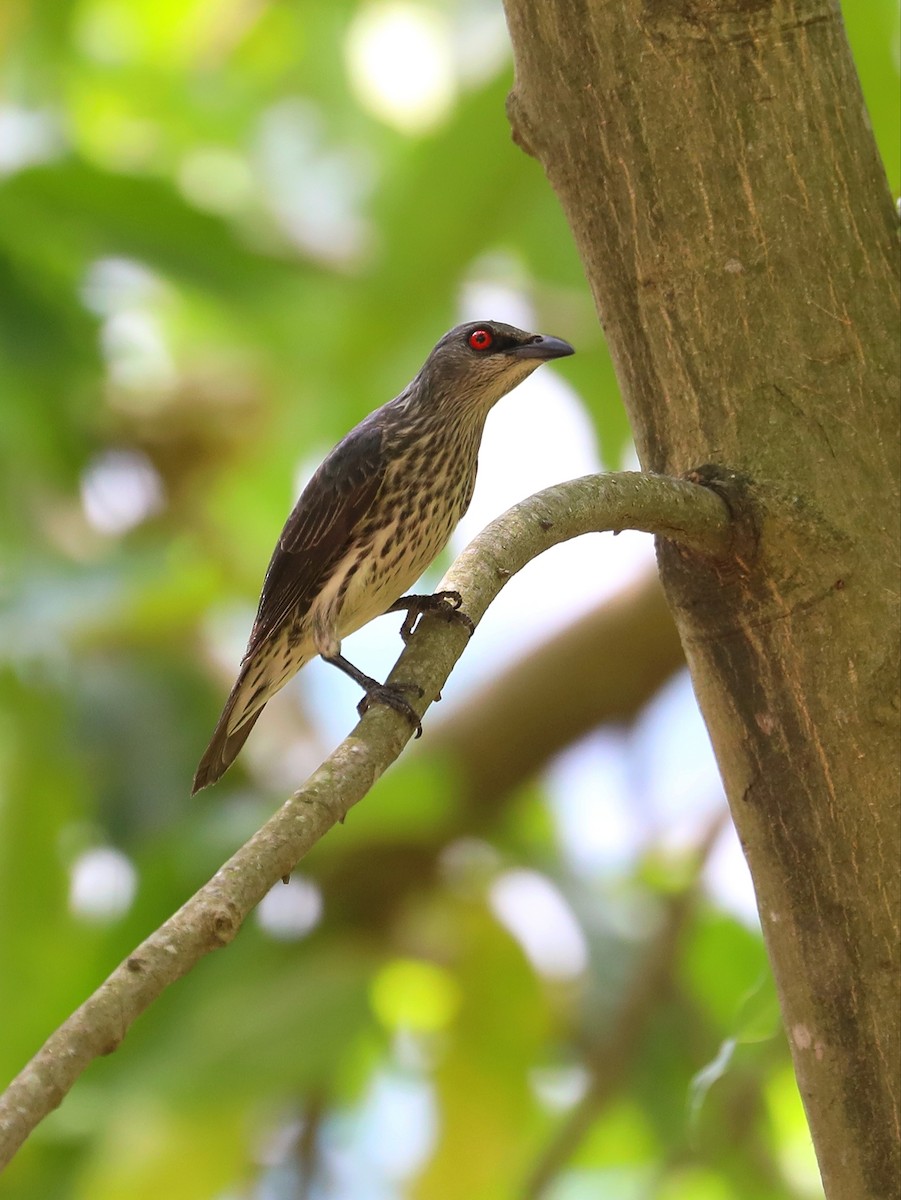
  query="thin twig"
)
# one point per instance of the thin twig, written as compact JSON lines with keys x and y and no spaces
{"x":684,"y":512}
{"x":612,"y":1058}
{"x":307,"y":1144}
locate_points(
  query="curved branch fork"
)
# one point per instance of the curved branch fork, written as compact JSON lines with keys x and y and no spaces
{"x":687,"y":513}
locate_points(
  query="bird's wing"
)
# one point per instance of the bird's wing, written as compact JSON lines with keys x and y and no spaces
{"x":319,"y":529}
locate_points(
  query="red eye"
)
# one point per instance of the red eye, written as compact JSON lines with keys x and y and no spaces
{"x":481,"y":339}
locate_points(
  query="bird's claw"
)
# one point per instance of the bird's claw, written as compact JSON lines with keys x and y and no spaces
{"x":443,"y":604}
{"x":392,"y":695}
{"x":453,"y":599}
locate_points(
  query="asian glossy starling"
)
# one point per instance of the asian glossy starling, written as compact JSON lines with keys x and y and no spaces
{"x":377,"y":511}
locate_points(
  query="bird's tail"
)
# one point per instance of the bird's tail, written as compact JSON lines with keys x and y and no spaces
{"x":227,"y":740}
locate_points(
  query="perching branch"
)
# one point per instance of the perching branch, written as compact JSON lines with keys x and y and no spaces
{"x":601,"y":669}
{"x":685,"y":513}
{"x":515,"y":722}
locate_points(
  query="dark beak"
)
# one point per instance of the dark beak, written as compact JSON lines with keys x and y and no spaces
{"x":543,"y":348}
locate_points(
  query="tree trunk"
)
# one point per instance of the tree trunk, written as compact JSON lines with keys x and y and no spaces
{"x":716,"y":165}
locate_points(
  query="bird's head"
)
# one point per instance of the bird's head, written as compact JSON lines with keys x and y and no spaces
{"x":475,"y":364}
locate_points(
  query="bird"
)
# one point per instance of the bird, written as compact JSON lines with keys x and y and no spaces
{"x":377,"y":511}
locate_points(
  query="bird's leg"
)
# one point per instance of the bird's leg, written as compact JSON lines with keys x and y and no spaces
{"x":379,"y":693}
{"x":443,"y":604}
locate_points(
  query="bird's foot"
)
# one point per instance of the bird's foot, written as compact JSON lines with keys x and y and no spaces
{"x":443,"y":604}
{"x":393,"y":696}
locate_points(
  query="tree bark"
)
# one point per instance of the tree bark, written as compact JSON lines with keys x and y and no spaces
{"x":716,"y":165}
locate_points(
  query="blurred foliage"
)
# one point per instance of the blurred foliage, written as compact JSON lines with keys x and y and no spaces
{"x":215,"y":256}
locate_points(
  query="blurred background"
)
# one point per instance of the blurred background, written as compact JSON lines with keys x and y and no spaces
{"x":529,"y":964}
